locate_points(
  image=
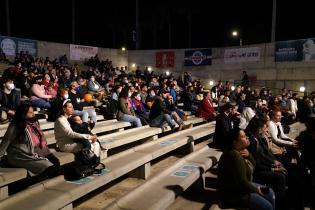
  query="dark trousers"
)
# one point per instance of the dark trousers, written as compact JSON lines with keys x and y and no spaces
{"x":277,"y":182}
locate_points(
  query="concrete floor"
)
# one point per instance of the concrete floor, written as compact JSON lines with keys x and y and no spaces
{"x":105,"y":196}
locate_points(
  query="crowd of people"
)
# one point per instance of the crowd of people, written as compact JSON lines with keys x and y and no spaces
{"x":261,"y":167}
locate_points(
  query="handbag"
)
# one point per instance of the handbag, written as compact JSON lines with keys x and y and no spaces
{"x":87,"y":157}
{"x":74,"y":171}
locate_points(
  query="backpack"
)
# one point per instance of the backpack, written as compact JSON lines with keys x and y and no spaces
{"x":87,"y":157}
{"x":75,"y":171}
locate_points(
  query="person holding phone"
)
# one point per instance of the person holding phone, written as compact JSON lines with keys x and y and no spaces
{"x":235,"y":186}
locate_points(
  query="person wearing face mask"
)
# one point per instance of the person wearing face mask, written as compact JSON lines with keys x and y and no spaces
{"x":9,"y":100}
{"x":96,"y":88}
{"x":39,"y":98}
{"x":139,"y":108}
{"x":78,"y":104}
{"x":125,"y":110}
{"x":26,"y":146}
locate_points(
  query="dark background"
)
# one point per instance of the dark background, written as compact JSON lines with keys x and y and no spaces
{"x":110,"y":23}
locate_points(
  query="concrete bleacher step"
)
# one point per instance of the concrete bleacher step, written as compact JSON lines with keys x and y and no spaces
{"x":117,"y":139}
{"x":44,"y":125}
{"x":161,"y":191}
{"x":136,"y":159}
{"x":296,"y":129}
{"x":7,"y":176}
{"x":10,"y":175}
{"x":216,"y":207}
{"x":100,"y":127}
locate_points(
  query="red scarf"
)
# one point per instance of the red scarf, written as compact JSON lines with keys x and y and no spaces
{"x":36,"y":135}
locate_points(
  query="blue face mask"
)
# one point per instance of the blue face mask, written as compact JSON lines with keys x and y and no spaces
{"x":77,"y":88}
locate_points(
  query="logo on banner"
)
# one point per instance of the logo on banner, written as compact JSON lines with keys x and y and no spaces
{"x":8,"y":46}
{"x":198,"y":57}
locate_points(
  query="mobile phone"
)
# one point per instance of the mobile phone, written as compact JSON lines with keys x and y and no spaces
{"x":264,"y":190}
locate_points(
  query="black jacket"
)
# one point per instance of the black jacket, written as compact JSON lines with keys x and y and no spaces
{"x":158,"y":108}
{"x":222,"y":127}
{"x":9,"y":103}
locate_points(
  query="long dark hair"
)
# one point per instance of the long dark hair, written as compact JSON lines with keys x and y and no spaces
{"x":232,"y":136}
{"x":19,"y":118}
{"x":124,"y":92}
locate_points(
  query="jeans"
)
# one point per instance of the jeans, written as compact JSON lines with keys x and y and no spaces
{"x":41,"y":103}
{"x":259,"y":202}
{"x":275,"y":180}
{"x":132,"y":119}
{"x":161,"y":119}
{"x":85,"y":114}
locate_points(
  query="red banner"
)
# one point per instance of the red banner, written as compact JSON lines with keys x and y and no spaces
{"x":165,"y":59}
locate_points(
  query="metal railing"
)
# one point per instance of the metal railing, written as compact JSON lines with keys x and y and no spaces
{"x":276,"y":85}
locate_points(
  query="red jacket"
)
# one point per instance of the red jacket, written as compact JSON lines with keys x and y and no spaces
{"x":205,"y":109}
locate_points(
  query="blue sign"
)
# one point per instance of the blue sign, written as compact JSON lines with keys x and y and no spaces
{"x":295,"y":50}
{"x":11,"y":45}
{"x":199,"y":57}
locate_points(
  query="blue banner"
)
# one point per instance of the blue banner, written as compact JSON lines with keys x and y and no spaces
{"x":295,"y":50}
{"x":199,"y":57}
{"x":11,"y":45}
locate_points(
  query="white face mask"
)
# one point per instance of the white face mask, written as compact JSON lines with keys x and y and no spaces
{"x":129,"y":94}
{"x":138,"y":98}
{"x":10,"y":86}
{"x":66,"y":96}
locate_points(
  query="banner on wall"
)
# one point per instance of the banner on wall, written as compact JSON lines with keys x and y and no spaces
{"x":81,"y":52}
{"x":199,"y":57}
{"x":165,"y":59}
{"x":240,"y":55}
{"x":295,"y":50}
{"x":12,"y":45}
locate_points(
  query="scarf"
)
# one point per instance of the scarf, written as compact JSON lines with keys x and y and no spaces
{"x":36,"y":134}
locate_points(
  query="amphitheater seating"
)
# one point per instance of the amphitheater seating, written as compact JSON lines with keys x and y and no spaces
{"x":44,"y":124}
{"x":216,"y":207}
{"x":161,"y":191}
{"x":58,"y":193}
{"x":296,"y":129}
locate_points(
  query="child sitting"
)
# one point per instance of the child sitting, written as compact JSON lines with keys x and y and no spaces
{"x":79,"y":126}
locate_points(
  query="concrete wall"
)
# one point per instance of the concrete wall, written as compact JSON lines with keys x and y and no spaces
{"x":265,"y":69}
{"x":55,"y":50}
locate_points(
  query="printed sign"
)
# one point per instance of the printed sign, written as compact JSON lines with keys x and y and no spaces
{"x":80,"y":52}
{"x":82,"y":181}
{"x":12,"y":45}
{"x":165,"y":59}
{"x":240,"y":55}
{"x":198,"y":57}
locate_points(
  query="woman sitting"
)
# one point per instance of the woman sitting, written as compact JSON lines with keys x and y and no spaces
{"x":125,"y":110}
{"x":26,"y":145}
{"x":235,"y":186}
{"x":66,"y":138}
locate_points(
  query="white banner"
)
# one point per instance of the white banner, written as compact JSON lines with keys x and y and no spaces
{"x":242,"y":55}
{"x":80,"y":52}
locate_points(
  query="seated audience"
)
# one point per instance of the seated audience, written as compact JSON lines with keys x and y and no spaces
{"x":235,"y":186}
